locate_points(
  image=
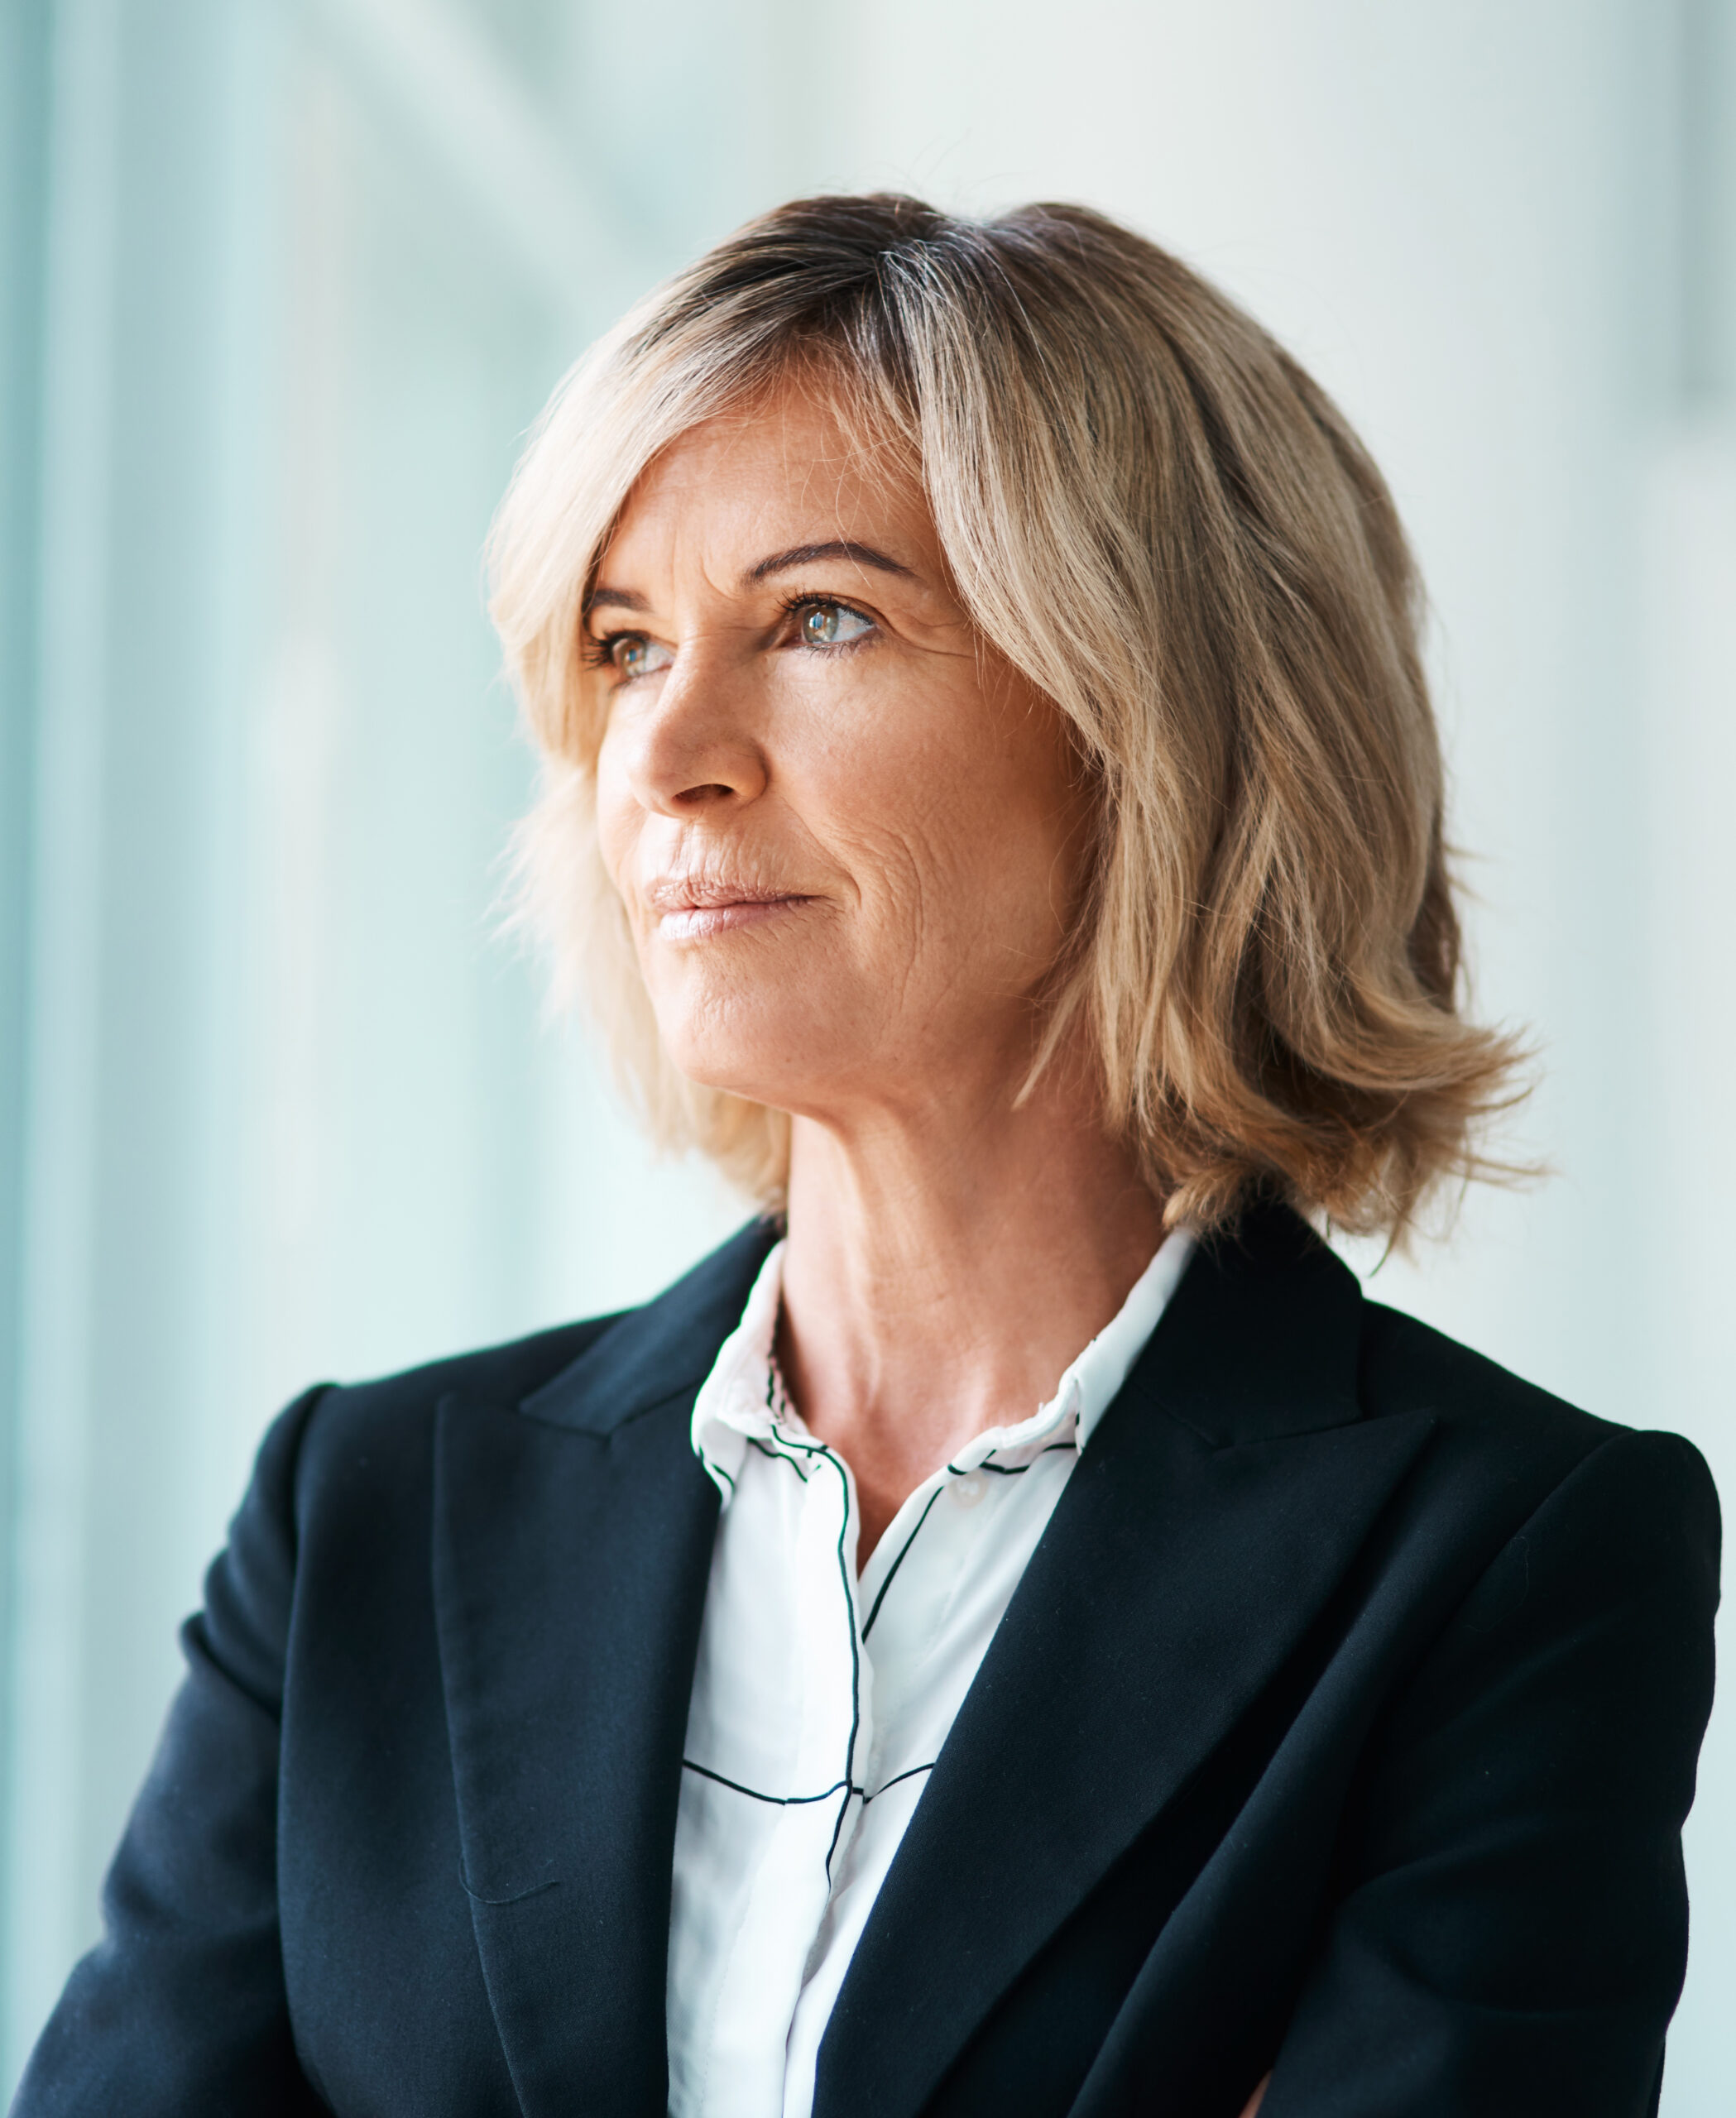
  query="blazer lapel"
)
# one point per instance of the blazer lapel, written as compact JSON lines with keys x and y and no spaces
{"x":1220,"y":1503}
{"x":572,"y":1539}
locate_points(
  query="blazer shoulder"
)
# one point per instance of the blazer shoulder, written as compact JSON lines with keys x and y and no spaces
{"x":344,"y":1415}
{"x":591,"y":1375}
{"x":502,"y":1374}
{"x":1407,"y":1366}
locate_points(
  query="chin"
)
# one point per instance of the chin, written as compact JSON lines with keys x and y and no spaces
{"x":768,"y":1039}
{"x":757,"y":1066}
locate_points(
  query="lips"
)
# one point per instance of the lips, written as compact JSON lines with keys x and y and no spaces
{"x":695,"y":908}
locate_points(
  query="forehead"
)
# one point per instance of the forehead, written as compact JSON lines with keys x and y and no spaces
{"x":786,"y":470}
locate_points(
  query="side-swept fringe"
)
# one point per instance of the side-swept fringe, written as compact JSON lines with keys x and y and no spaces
{"x":1158,"y":517}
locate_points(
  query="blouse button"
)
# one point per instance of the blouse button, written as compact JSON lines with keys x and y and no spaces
{"x":969,"y":1489}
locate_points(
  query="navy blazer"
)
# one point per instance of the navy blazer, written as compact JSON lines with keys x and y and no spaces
{"x":1344,"y":1724}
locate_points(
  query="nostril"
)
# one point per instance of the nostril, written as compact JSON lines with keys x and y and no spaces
{"x":699,"y":797}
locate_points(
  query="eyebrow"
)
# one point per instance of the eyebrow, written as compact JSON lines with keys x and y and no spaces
{"x":630,"y":599}
{"x":838,"y":549}
{"x":622,"y":599}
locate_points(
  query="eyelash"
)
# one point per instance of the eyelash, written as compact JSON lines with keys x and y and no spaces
{"x":794,"y":606}
{"x":600,"y":653}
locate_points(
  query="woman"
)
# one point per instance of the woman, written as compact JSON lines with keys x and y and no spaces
{"x":1013,"y":1632}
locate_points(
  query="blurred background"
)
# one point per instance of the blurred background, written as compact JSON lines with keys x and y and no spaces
{"x":282,"y":284}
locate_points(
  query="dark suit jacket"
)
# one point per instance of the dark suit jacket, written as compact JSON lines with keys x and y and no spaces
{"x":1345,"y":1722}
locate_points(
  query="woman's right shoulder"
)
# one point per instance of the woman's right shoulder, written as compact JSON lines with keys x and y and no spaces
{"x":671,"y":1339}
{"x":503,"y":1375}
{"x":338,"y":1438}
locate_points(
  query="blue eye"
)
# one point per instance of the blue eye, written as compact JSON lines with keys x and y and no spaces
{"x":633,"y":655}
{"x":833,"y":624}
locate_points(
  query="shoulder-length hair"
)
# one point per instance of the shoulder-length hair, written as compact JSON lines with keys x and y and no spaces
{"x":1155,"y":514}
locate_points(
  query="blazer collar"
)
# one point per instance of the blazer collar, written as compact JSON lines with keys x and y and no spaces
{"x":651,"y":1355}
{"x":1220,"y":1504}
{"x":1221,"y":1500}
{"x":572,"y":1546}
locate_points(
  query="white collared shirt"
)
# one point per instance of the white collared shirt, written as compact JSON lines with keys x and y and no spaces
{"x":821,"y":1699}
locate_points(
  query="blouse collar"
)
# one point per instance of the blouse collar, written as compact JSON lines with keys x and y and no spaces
{"x":741,"y":1401}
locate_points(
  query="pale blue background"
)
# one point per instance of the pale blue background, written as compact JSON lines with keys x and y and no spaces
{"x":281,"y":286}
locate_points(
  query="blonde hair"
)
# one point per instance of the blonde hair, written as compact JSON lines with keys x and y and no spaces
{"x":1157,"y":516}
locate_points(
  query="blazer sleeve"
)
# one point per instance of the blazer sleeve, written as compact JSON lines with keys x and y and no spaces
{"x":1511,"y":1925}
{"x":180,"y":2011}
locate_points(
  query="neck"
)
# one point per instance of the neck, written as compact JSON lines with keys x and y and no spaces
{"x":944,"y":1267}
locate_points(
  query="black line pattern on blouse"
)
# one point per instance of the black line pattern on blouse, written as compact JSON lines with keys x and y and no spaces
{"x":753,"y":1793}
{"x":790,"y":1447}
{"x":892,"y":1570}
{"x":856,"y":1665}
{"x":910,"y":1773}
{"x":953,"y":1470}
{"x":786,"y":1448}
{"x":1015,"y":1470}
{"x":777,"y":1456}
{"x":800,"y":1801}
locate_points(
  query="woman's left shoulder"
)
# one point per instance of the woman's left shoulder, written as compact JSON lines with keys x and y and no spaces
{"x":1497,"y":1433}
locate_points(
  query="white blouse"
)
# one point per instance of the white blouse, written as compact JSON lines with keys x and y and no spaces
{"x":820,"y":1698}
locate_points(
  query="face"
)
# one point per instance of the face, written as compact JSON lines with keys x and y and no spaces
{"x":849,"y":838}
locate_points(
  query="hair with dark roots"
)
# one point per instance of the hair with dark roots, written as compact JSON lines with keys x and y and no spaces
{"x":1153,"y":512}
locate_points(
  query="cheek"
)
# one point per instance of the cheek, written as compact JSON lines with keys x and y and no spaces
{"x":1038,"y":789}
{"x":618,"y":817}
{"x":998,"y":824}
{"x":963,"y":853}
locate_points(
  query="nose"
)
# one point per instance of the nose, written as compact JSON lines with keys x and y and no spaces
{"x":687,"y":744}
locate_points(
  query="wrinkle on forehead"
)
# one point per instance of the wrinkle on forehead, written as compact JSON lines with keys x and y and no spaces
{"x":835,"y":473}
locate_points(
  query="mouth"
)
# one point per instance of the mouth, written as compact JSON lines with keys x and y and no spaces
{"x":692,"y":908}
